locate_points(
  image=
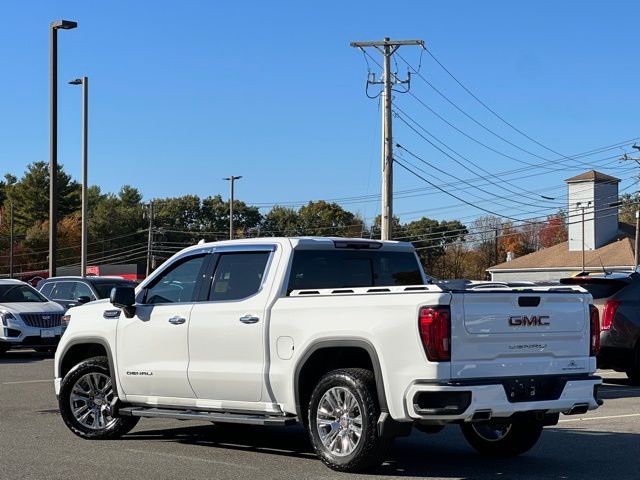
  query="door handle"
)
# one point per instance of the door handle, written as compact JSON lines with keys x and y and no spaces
{"x":177,"y":320}
{"x":249,"y":319}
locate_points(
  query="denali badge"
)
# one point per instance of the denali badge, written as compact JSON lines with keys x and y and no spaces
{"x":533,"y":321}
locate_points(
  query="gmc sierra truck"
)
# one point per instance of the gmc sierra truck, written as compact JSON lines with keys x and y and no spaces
{"x":347,"y":337}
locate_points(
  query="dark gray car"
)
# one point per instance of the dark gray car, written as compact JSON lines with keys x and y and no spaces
{"x":617,"y":297}
{"x":72,"y":291}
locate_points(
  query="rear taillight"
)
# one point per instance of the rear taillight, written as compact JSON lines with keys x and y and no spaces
{"x":594,"y":317}
{"x":610,"y":310}
{"x":435,"y":333}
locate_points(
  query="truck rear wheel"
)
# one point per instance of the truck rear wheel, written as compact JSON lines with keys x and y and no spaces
{"x":502,"y":439}
{"x":343,"y":415}
{"x":86,"y":402}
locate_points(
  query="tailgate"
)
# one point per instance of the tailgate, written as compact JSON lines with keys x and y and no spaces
{"x":519,"y":334}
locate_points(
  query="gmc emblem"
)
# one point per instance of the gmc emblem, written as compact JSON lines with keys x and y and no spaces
{"x":533,"y":321}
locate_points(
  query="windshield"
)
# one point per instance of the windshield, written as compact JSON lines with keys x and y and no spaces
{"x":103,"y":287}
{"x":20,"y":293}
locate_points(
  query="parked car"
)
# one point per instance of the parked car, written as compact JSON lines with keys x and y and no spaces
{"x":27,"y":318}
{"x":346,"y":337}
{"x":617,"y":297}
{"x":72,"y":291}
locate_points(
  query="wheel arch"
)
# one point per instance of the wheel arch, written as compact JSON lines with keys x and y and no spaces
{"x":82,"y":348}
{"x":316,"y":351}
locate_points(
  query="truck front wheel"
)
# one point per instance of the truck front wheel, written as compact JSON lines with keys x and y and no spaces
{"x":343,"y":415}
{"x":502,"y":439}
{"x":86,"y":402}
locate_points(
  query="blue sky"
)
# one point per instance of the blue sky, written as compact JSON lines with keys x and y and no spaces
{"x":185,"y":93}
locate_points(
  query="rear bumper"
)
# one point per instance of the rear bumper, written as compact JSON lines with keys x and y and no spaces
{"x":480,"y":400}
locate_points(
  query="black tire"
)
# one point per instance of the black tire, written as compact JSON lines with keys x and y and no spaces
{"x":115,"y":427}
{"x":4,"y":349}
{"x":633,"y":374}
{"x":517,"y":439}
{"x":370,"y":449}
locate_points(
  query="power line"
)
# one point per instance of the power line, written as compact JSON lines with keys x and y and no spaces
{"x":477,"y":166}
{"x":486,"y":106}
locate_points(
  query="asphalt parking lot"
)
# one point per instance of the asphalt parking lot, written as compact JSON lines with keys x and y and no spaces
{"x":35,"y":444}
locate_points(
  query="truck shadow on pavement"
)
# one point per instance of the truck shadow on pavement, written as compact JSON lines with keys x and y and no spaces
{"x":611,"y":390}
{"x":28,"y":356}
{"x":561,"y":453}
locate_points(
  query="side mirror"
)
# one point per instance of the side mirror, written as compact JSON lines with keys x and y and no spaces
{"x":83,"y":299}
{"x":124,"y":298}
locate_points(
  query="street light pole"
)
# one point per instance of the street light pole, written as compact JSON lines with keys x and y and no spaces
{"x":11,"y":239}
{"x":232,"y":179}
{"x":84,"y":81}
{"x":53,"y":139}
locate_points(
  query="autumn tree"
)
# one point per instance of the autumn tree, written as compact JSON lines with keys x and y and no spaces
{"x":554,"y":231}
{"x":511,"y":240}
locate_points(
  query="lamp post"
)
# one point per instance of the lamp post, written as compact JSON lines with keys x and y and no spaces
{"x":53,"y":138}
{"x":84,"y":81}
{"x":232,"y":179}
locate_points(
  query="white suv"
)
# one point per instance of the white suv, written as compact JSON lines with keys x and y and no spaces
{"x":27,"y":318}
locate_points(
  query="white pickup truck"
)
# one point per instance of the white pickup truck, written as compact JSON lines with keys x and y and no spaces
{"x":345,"y":336}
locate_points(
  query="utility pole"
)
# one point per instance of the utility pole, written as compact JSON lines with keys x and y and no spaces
{"x":232,"y":179}
{"x":495,"y":245}
{"x":637,"y":242}
{"x":387,"y":48}
{"x":582,"y":206}
{"x":150,"y":238}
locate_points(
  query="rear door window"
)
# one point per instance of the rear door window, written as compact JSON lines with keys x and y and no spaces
{"x":83,"y":290}
{"x":238,"y":275}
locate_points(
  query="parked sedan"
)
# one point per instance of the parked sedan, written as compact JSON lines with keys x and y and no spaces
{"x":617,"y":297}
{"x":72,"y":291}
{"x":27,"y":318}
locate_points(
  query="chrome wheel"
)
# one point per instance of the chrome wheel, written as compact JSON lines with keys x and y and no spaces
{"x":492,"y":432}
{"x":91,"y":399}
{"x":339,"y":421}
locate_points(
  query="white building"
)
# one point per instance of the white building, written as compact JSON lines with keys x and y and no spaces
{"x":607,"y":243}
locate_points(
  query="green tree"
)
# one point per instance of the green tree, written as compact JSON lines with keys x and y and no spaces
{"x":281,"y":222}
{"x":329,"y":219}
{"x":5,"y":186}
{"x":430,"y":237}
{"x":116,"y":222}
{"x":396,"y":227}
{"x":628,"y":207}
{"x":215,"y":217}
{"x":31,"y":195}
